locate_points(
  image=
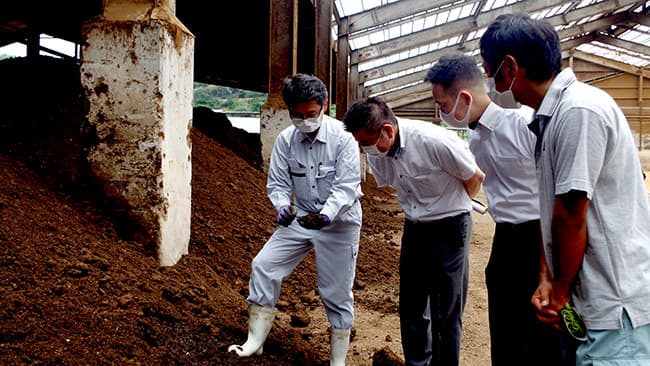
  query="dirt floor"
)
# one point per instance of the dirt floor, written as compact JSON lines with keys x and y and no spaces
{"x":74,"y":291}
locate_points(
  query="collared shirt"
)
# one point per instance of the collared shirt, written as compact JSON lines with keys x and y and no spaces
{"x":427,"y":171}
{"x":323,"y":174}
{"x":587,"y":146}
{"x":504,"y":148}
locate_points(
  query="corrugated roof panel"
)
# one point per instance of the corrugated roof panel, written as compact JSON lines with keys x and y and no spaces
{"x":639,"y":34}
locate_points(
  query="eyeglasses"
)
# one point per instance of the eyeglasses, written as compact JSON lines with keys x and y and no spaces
{"x":310,"y":114}
{"x":381,"y":132}
{"x":368,"y":142}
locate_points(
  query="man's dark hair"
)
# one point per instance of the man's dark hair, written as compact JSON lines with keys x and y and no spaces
{"x":303,"y":88}
{"x":455,"y":71}
{"x":532,"y":42}
{"x":368,"y":114}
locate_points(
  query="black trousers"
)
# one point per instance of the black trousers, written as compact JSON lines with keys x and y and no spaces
{"x":434,"y":273}
{"x":517,"y":337}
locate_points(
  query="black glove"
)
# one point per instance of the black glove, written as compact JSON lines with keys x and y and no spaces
{"x":286,"y":214}
{"x":314,"y":221}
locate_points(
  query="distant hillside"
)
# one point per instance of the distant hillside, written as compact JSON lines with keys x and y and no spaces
{"x":227,"y":99}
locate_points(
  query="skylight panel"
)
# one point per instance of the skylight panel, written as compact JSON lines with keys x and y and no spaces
{"x":488,"y":5}
{"x":553,"y":11}
{"x":369,"y":4}
{"x":639,"y":34}
{"x":544,"y":13}
{"x":418,"y":25}
{"x":562,"y":27}
{"x":360,"y":42}
{"x":430,"y":21}
{"x":583,"y":3}
{"x":407,"y":28}
{"x":564,"y":8}
{"x":640,"y":8}
{"x":615,"y":53}
{"x":347,"y":7}
{"x":467,"y":10}
{"x":394,"y":32}
{"x":583,"y":20}
{"x":480,"y":32}
{"x":498,"y":4}
{"x":376,"y":37}
{"x":454,"y":14}
{"x":537,"y":15}
{"x":371,"y":64}
{"x":442,"y":17}
{"x":622,"y":9}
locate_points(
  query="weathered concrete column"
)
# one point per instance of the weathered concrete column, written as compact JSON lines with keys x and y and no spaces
{"x":137,"y":71}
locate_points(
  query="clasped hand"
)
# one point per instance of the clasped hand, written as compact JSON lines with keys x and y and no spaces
{"x":314,"y":221}
{"x":286,"y":214}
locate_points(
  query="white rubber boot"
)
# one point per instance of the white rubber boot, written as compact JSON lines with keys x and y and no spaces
{"x":259,"y":324}
{"x":339,"y":346}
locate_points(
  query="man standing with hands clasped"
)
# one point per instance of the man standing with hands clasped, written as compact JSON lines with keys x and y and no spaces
{"x":435,"y":176}
{"x":595,"y":214}
{"x":317,"y":162}
{"x":504,"y":148}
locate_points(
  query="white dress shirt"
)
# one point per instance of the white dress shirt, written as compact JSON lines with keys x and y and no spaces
{"x":427,"y":171}
{"x":504,"y":148}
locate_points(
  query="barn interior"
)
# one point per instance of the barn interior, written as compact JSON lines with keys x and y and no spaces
{"x":84,"y":283}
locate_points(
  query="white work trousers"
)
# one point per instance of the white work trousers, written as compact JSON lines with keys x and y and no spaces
{"x":335,"y":249}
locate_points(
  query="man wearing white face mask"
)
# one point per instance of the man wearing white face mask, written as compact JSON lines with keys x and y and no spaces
{"x":314,"y":176}
{"x":594,"y":208}
{"x":504,"y":148}
{"x":435,"y":176}
{"x":504,"y":99}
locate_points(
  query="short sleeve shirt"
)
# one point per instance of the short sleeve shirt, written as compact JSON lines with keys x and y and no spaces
{"x":504,"y":148}
{"x":587,"y":145}
{"x":427,"y":171}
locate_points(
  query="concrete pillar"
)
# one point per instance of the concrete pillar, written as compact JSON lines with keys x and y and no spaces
{"x":137,"y":71}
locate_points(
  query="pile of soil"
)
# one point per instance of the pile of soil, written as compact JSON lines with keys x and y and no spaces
{"x":77,"y":292}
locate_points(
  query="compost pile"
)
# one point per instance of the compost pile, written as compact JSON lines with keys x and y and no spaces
{"x":76,"y":291}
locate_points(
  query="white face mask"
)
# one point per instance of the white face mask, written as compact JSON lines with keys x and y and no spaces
{"x":373,"y":150}
{"x":450,"y":118}
{"x":308,"y":125}
{"x":504,"y":99}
